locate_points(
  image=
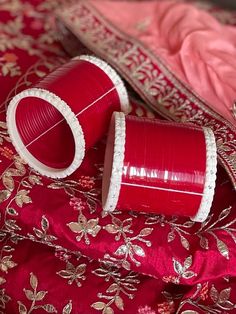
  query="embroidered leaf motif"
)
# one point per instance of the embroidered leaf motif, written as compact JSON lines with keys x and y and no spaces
{"x":204,"y":243}
{"x":4,"y":195}
{"x":113,"y":287}
{"x":33,"y":179}
{"x":21,"y":307}
{"x":214,"y":294}
{"x":111,"y":228}
{"x":35,"y":296}
{"x":98,"y":305}
{"x":223,"y":248}
{"x":73,"y":273}
{"x":119,"y":285}
{"x":171,"y":236}
{"x":188,"y":262}
{"x":6,"y":263}
{"x":184,"y":242}
{"x":108,"y":310}
{"x":146,"y":232}
{"x":126,"y":265}
{"x":11,"y":211}
{"x":92,"y":225}
{"x":7,"y":248}
{"x":44,"y":224}
{"x":42,"y":234}
{"x":188,"y":274}
{"x":224,"y":295}
{"x":188,"y":224}
{"x":68,"y":308}
{"x":33,"y":281}
{"x":8,"y":182}
{"x":138,"y":250}
{"x":178,"y":267}
{"x":56,"y":186}
{"x":225,"y":213}
{"x":49,"y":308}
{"x":85,"y":227}
{"x":75,"y":227}
{"x":22,"y":198}
{"x":119,"y":302}
{"x":11,"y":225}
{"x":38,"y":233}
{"x":122,"y":250}
{"x":40,"y":295}
{"x":29,"y":294}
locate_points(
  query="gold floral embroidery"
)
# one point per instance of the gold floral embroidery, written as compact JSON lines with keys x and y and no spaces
{"x":73,"y":273}
{"x":213,"y":226}
{"x":21,"y":195}
{"x":83,"y":186}
{"x":129,"y":249}
{"x":42,"y":235}
{"x":176,"y":229}
{"x":119,"y":285}
{"x":35,"y":296}
{"x":214,"y":229}
{"x":220,"y":302}
{"x":67,"y":308}
{"x":6,"y":263}
{"x":3,"y":300}
{"x":84,"y":228}
{"x":182,"y":271}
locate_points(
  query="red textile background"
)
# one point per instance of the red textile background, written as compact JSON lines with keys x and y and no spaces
{"x":60,"y":253}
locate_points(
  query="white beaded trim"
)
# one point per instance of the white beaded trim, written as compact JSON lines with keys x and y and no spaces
{"x":114,"y":77}
{"x":210,"y":181}
{"x":118,"y":160}
{"x":69,"y":116}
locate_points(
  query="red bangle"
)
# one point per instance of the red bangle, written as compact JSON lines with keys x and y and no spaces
{"x":52,"y":124}
{"x":156,"y":166}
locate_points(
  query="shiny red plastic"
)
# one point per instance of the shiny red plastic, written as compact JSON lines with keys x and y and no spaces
{"x":164,"y":167}
{"x":91,"y":95}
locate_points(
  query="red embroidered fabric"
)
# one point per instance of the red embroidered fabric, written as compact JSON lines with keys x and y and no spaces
{"x":53,"y":232}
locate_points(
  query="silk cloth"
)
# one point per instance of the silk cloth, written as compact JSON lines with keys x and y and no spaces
{"x":60,"y":253}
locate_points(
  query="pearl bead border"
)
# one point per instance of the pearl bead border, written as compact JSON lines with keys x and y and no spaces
{"x":118,"y":161}
{"x":114,"y":77}
{"x":69,"y":116}
{"x":210,"y":180}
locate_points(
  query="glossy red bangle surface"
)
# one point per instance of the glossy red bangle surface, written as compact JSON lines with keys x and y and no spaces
{"x":159,"y":167}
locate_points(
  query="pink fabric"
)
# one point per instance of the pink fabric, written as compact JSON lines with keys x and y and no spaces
{"x":199,"y":49}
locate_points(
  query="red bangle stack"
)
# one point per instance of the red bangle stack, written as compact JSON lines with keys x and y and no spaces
{"x":53,"y":123}
{"x":159,"y":167}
